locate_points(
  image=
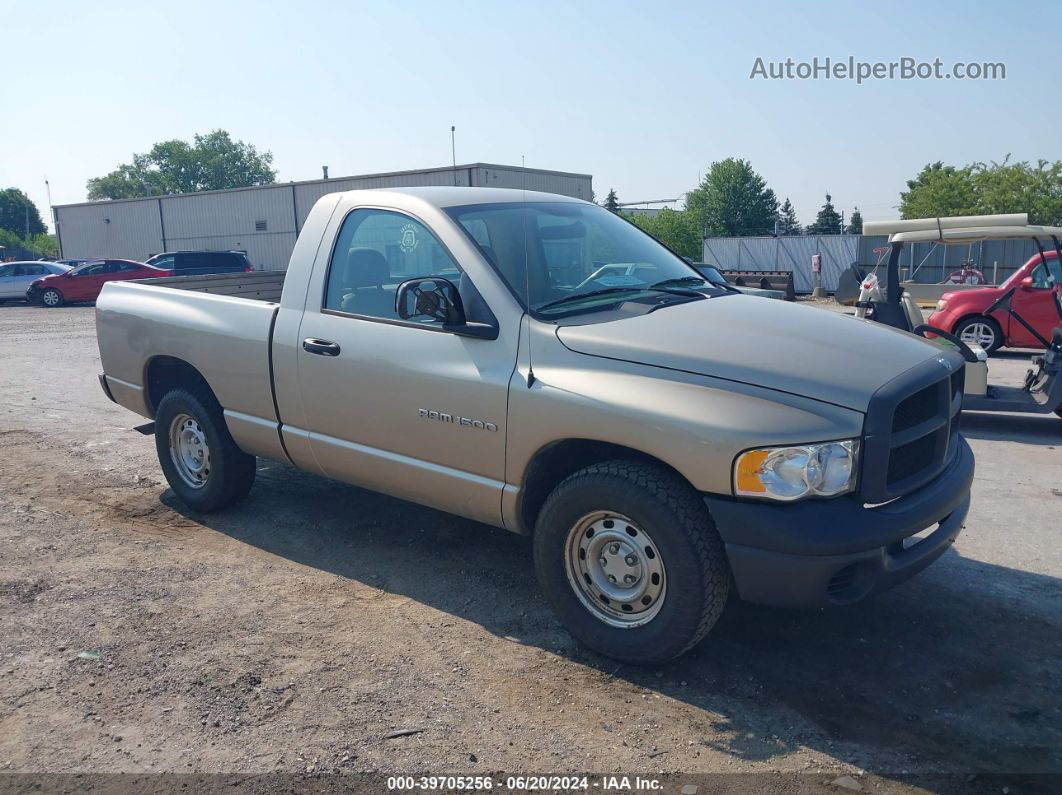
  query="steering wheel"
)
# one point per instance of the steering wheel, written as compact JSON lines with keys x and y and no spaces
{"x":964,"y":349}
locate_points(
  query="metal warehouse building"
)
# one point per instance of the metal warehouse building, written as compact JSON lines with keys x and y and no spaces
{"x":263,"y":221}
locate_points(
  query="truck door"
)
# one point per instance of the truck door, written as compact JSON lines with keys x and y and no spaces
{"x":399,"y":406}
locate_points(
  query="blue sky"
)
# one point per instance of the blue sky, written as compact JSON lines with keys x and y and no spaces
{"x":644,"y":96}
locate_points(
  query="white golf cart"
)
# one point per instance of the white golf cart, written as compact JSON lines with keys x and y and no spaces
{"x":892,"y":305}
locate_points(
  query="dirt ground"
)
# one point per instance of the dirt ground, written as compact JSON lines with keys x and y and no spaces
{"x":298,"y":631}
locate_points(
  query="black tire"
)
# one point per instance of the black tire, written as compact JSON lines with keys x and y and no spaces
{"x":58,"y":301}
{"x":989,"y":323}
{"x":231,"y":471}
{"x":670,"y":511}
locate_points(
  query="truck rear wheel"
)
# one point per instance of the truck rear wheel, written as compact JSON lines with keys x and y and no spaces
{"x":630,"y":561}
{"x":202,"y":463}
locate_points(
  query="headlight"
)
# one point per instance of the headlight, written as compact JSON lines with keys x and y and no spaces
{"x":792,"y":473}
{"x":942,"y":305}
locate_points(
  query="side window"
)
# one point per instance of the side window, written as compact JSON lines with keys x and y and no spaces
{"x":7,"y":270}
{"x":126,"y":267}
{"x":375,"y":252}
{"x":1055,"y":268}
{"x":195,"y":262}
{"x":166,"y":263}
{"x":38,"y":270}
{"x":223,"y":260}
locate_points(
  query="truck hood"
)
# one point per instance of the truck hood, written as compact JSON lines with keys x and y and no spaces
{"x":810,"y":352}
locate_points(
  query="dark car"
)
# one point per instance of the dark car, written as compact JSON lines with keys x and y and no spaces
{"x":84,"y":282}
{"x":194,"y":263}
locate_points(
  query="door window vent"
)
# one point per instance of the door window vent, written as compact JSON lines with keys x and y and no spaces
{"x":259,"y":226}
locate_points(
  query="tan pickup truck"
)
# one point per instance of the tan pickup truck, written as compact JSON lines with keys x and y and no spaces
{"x":537,"y":363}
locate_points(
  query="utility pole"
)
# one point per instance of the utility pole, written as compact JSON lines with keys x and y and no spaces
{"x":453,"y":150}
{"x":55,"y":216}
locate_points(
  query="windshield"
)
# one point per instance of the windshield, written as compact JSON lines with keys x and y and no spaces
{"x":712,"y":274}
{"x":84,"y":266}
{"x":578,"y":256}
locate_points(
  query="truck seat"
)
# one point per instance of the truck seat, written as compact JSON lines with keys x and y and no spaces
{"x":362,"y":284}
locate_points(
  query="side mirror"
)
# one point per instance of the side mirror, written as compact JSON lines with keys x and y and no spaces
{"x":437,"y":299}
{"x":1027,"y":281}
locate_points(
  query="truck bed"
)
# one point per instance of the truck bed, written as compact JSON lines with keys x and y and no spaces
{"x":257,"y":286}
{"x":220,"y":325}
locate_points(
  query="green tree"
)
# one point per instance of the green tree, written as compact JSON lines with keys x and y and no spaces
{"x":855,"y":225}
{"x":212,"y":162}
{"x":732,"y":199}
{"x":676,"y":229}
{"x":611,"y":201}
{"x":987,"y":188}
{"x":940,"y":190}
{"x":1020,"y":188}
{"x":787,"y":219}
{"x":18,"y":214}
{"x":828,"y":220}
{"x":42,"y":245}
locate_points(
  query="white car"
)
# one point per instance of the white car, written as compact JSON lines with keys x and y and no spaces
{"x":16,"y":277}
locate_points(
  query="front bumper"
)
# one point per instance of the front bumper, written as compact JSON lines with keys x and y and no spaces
{"x":829,"y":552}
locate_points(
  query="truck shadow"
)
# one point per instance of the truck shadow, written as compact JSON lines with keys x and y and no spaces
{"x":955,"y":671}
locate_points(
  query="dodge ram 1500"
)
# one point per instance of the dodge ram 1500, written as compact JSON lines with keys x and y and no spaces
{"x":537,"y":363}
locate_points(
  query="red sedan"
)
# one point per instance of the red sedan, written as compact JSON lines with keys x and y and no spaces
{"x":963,"y":313}
{"x":84,"y":282}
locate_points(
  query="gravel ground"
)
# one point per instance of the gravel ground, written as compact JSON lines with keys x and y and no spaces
{"x":301,"y":631}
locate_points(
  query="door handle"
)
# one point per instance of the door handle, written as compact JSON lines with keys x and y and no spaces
{"x":320,"y":347}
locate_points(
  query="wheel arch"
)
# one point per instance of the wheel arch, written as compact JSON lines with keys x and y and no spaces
{"x":559,"y":459}
{"x":163,"y":374}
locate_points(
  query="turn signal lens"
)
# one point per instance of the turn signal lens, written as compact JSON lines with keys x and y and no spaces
{"x":792,"y":473}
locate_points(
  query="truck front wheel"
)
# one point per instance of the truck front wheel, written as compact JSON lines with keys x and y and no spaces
{"x":202,"y":463}
{"x":630,"y":561}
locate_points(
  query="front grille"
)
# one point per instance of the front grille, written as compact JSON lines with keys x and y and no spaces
{"x":917,"y":408}
{"x":909,"y":459}
{"x":911,"y":429}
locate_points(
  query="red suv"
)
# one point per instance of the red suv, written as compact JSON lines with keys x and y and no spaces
{"x":84,"y":282}
{"x":962,"y":313}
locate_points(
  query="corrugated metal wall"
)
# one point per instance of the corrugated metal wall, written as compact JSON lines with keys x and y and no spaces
{"x":128,"y":230}
{"x":577,"y":185}
{"x":262,"y":221}
{"x":929,"y":262}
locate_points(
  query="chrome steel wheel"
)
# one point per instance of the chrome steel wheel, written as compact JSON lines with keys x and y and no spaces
{"x":615,"y":569}
{"x":189,"y":450}
{"x":50,"y":298}
{"x":979,"y":333}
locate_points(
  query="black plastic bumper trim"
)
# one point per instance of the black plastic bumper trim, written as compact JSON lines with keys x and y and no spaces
{"x":787,"y":554}
{"x":106,"y":388}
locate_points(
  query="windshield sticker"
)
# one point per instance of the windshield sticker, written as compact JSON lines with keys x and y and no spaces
{"x":619,"y":280}
{"x":407,"y":240}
